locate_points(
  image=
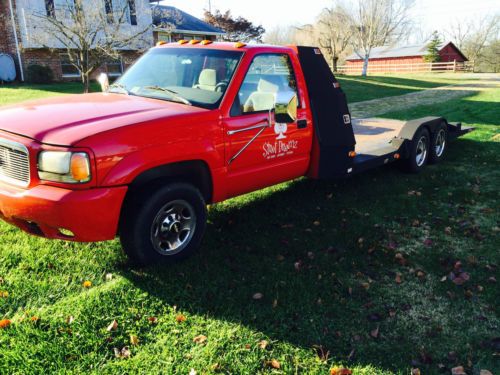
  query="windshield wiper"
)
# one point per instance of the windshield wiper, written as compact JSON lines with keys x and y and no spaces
{"x":120,"y":87}
{"x":175,"y":95}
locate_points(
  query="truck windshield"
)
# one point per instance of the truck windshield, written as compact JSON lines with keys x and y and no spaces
{"x":196,"y":76}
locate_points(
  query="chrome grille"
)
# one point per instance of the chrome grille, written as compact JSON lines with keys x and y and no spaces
{"x":14,"y":163}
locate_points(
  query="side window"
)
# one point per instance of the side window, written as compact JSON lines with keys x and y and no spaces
{"x":268,"y":75}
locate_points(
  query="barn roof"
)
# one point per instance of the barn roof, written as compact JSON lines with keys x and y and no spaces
{"x":401,"y":51}
{"x":169,"y":15}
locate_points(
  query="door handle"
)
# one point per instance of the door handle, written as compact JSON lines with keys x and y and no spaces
{"x":301,"y":124}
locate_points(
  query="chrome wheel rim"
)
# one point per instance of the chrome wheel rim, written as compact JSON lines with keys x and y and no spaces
{"x":440,"y":142}
{"x":173,"y":227}
{"x":421,"y":151}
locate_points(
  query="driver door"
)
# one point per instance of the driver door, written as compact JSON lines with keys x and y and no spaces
{"x":259,"y":151}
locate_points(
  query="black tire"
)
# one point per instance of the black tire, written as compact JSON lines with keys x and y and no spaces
{"x":152,"y":219}
{"x":414,"y":164}
{"x":439,"y":144}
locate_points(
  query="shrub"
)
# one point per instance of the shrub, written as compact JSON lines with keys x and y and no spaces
{"x":39,"y":74}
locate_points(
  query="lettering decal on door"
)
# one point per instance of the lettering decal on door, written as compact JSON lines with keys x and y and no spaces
{"x":280,"y":147}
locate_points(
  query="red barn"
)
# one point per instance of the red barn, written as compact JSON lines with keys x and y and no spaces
{"x":385,"y":59}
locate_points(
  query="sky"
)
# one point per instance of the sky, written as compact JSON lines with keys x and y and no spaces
{"x":430,"y":14}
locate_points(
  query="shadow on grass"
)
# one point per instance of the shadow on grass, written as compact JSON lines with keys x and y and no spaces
{"x":322,"y":286}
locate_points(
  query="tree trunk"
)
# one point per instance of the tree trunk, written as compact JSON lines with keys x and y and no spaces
{"x":86,"y":83}
{"x":335,"y":61}
{"x":365,"y":66}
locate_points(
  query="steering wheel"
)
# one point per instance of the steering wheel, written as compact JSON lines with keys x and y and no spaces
{"x":221,"y":86}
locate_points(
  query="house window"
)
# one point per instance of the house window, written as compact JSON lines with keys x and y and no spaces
{"x":132,"y":12}
{"x":108,"y":8}
{"x":49,"y":7}
{"x":114,"y":67}
{"x":67,"y":68}
{"x":164,"y":37}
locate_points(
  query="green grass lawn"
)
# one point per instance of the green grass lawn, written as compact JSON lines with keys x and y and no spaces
{"x":352,"y":273}
{"x":359,"y":88}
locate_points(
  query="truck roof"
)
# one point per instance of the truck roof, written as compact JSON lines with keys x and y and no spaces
{"x":226,"y":46}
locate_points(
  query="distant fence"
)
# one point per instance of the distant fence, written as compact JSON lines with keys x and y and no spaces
{"x":437,"y":67}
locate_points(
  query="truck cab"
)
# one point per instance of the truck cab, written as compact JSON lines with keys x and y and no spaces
{"x":190,"y":124}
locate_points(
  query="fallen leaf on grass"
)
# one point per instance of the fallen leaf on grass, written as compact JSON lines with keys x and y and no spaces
{"x":87,"y":284}
{"x":492,"y":279}
{"x":200,"y":339}
{"x":485,"y":372}
{"x":34,"y":319}
{"x":153,"y":320}
{"x":180,"y":318}
{"x":123,"y":353}
{"x":4,"y":294}
{"x":398,"y":278}
{"x":263,"y":344}
{"x":193,"y":372}
{"x":109,"y":276}
{"x":274,"y":364}
{"x":70,"y":319}
{"x":459,"y":370}
{"x":134,"y":340}
{"x":4,"y":323}
{"x":415,"y":371}
{"x":257,"y":296}
{"x":340,"y":371}
{"x":374,"y":333}
{"x":112,"y":326}
{"x":459,"y":278}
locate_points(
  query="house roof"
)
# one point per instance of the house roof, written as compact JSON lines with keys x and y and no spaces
{"x":169,"y":15}
{"x":401,"y":51}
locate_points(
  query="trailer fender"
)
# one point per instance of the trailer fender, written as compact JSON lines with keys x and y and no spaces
{"x":411,"y":127}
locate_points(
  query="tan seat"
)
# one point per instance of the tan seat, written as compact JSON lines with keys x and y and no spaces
{"x":264,"y":99}
{"x":207,"y":80}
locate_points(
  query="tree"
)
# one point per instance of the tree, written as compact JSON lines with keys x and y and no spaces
{"x":281,"y":35}
{"x":331,"y":32}
{"x":237,"y":29}
{"x":473,"y":37}
{"x":91,"y":32}
{"x":433,"y":49}
{"x":375,"y":23}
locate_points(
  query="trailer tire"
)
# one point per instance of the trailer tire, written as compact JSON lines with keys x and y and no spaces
{"x":164,"y":225}
{"x":439,"y":143}
{"x":419,"y":152}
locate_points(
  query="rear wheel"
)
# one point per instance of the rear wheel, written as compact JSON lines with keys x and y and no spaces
{"x":164,"y":225}
{"x":439,"y":142}
{"x":419,"y":152}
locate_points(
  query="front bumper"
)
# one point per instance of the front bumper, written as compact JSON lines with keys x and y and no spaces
{"x":76,"y":215}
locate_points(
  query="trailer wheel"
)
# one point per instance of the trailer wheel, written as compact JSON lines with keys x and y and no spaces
{"x":419,"y":153}
{"x":439,"y":143}
{"x":165,"y":225}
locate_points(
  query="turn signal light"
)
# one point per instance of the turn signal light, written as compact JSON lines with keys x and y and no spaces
{"x":352,"y":154}
{"x":182,"y":41}
{"x":79,"y":167}
{"x":397,"y":156}
{"x":194,"y":41}
{"x":239,"y":45}
{"x":206,"y":42}
{"x":161,"y":43}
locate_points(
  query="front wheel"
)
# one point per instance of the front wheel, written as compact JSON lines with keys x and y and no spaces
{"x":164,"y":225}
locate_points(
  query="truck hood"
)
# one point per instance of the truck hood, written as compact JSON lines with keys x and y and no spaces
{"x":65,"y":120}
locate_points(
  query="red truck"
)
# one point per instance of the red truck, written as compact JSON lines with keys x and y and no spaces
{"x":190,"y":124}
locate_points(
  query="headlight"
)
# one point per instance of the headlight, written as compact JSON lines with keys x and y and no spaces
{"x":66,"y":167}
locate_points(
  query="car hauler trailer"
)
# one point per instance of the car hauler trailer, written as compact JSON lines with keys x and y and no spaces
{"x":191,"y":123}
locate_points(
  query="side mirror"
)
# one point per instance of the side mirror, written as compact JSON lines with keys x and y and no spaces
{"x":103,"y":81}
{"x":285,"y":110}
